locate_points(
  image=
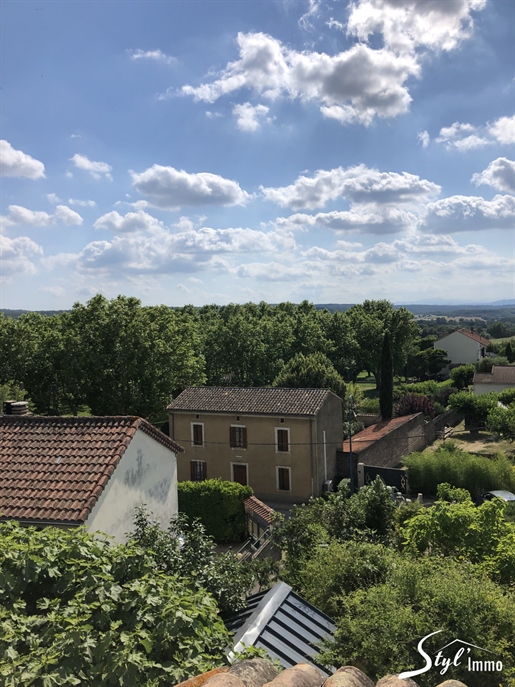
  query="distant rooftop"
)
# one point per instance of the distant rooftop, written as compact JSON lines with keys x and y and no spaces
{"x":500,"y":374}
{"x":251,"y":400}
{"x":370,"y":435}
{"x":472,"y":335}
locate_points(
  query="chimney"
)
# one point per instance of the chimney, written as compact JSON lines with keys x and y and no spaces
{"x":16,"y":408}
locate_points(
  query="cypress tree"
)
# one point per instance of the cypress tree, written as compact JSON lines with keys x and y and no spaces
{"x":386,"y":390}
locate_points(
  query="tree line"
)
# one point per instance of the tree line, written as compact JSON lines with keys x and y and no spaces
{"x":120,"y":357}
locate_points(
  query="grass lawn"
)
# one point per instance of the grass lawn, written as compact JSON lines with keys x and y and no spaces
{"x":481,"y":444}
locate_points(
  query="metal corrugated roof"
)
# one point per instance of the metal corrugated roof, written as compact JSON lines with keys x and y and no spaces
{"x":284,"y":624}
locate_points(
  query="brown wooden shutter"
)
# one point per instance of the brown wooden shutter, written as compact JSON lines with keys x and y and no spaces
{"x":244,"y":437}
{"x":232,"y":437}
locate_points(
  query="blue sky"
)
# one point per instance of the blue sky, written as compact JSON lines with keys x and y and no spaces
{"x":215,"y":152}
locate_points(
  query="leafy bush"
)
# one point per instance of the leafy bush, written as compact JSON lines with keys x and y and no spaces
{"x":446,"y":492}
{"x":463,"y":375}
{"x":369,"y":406}
{"x":450,"y":464}
{"x":186,"y":550}
{"x":410,"y":404}
{"x":501,"y":421}
{"x":218,"y":505}
{"x":474,"y":409}
{"x":507,"y":396}
{"x":379,"y":627}
{"x":76,"y":609}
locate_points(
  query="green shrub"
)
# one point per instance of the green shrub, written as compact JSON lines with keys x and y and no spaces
{"x":76,"y":609}
{"x":507,"y":396}
{"x":446,"y":492}
{"x":218,"y":505}
{"x":450,"y":464}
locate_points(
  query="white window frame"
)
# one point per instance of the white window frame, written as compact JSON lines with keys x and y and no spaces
{"x":282,"y":467}
{"x":192,"y":435}
{"x":239,"y":463}
{"x":282,"y":429}
{"x":239,"y":448}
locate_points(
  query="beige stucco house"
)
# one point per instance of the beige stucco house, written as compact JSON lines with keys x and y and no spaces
{"x":499,"y":379}
{"x":91,"y":471}
{"x":463,"y":346}
{"x":281,"y":442}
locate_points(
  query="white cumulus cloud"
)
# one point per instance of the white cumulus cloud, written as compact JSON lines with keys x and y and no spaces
{"x":15,"y":256}
{"x":249,"y":117}
{"x":131,"y":222}
{"x":359,"y":184}
{"x":170,"y":188}
{"x":15,"y":163}
{"x":469,"y":213}
{"x":503,"y":130}
{"x":96,"y":169}
{"x":500,"y":174}
{"x":18,"y":215}
{"x":407,"y":25}
{"x":355,"y":85}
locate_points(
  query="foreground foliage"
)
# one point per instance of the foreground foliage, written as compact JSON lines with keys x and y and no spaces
{"x":450,"y":464}
{"x":75,"y":609}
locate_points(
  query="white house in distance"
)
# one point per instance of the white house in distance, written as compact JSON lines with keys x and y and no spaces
{"x":463,"y":346}
{"x":92,"y":471}
{"x":499,"y":379}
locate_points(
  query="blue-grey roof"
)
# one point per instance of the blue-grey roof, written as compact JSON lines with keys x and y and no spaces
{"x":284,"y":624}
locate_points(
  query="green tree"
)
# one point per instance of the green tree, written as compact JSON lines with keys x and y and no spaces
{"x":501,"y":421}
{"x":314,"y":371}
{"x":474,"y":409}
{"x":369,"y":322}
{"x":386,"y":374}
{"x":379,"y":627}
{"x":76,"y":609}
{"x":462,"y":376}
{"x":185,"y":549}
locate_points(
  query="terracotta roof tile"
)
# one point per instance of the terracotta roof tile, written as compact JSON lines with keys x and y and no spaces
{"x":371,"y":434}
{"x":252,"y":400}
{"x":259,"y":508}
{"x":55,"y":468}
{"x":472,"y":335}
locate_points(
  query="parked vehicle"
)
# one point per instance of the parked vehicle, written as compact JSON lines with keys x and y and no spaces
{"x":499,"y":494}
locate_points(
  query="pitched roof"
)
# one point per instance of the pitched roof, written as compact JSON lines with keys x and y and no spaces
{"x":55,"y":468}
{"x":259,"y":509}
{"x":252,"y":400}
{"x":368,"y":436}
{"x":284,"y":624}
{"x":472,"y":335}
{"x":500,"y":374}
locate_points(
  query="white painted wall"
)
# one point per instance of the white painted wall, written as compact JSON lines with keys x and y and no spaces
{"x":146,"y":474}
{"x":485,"y":388}
{"x":461,"y":349}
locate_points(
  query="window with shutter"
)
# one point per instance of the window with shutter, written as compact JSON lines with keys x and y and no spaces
{"x":283,"y":479}
{"x":198,"y":470}
{"x":282,"y":437}
{"x":197,"y":434}
{"x":238,"y":437}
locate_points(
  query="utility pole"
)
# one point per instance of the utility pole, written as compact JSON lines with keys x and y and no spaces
{"x":351,"y":416}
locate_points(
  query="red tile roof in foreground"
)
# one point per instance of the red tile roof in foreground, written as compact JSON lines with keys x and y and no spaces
{"x":259,"y":508}
{"x":53,"y":469}
{"x":371,"y":434}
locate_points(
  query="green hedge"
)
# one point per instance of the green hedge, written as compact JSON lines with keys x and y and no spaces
{"x":218,"y":505}
{"x":450,"y":464}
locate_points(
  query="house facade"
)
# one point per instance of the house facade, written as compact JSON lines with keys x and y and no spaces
{"x":499,"y":379}
{"x":91,"y":471}
{"x":463,"y":347}
{"x":281,"y":442}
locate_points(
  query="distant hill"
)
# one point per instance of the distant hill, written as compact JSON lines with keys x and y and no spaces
{"x":17,"y":313}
